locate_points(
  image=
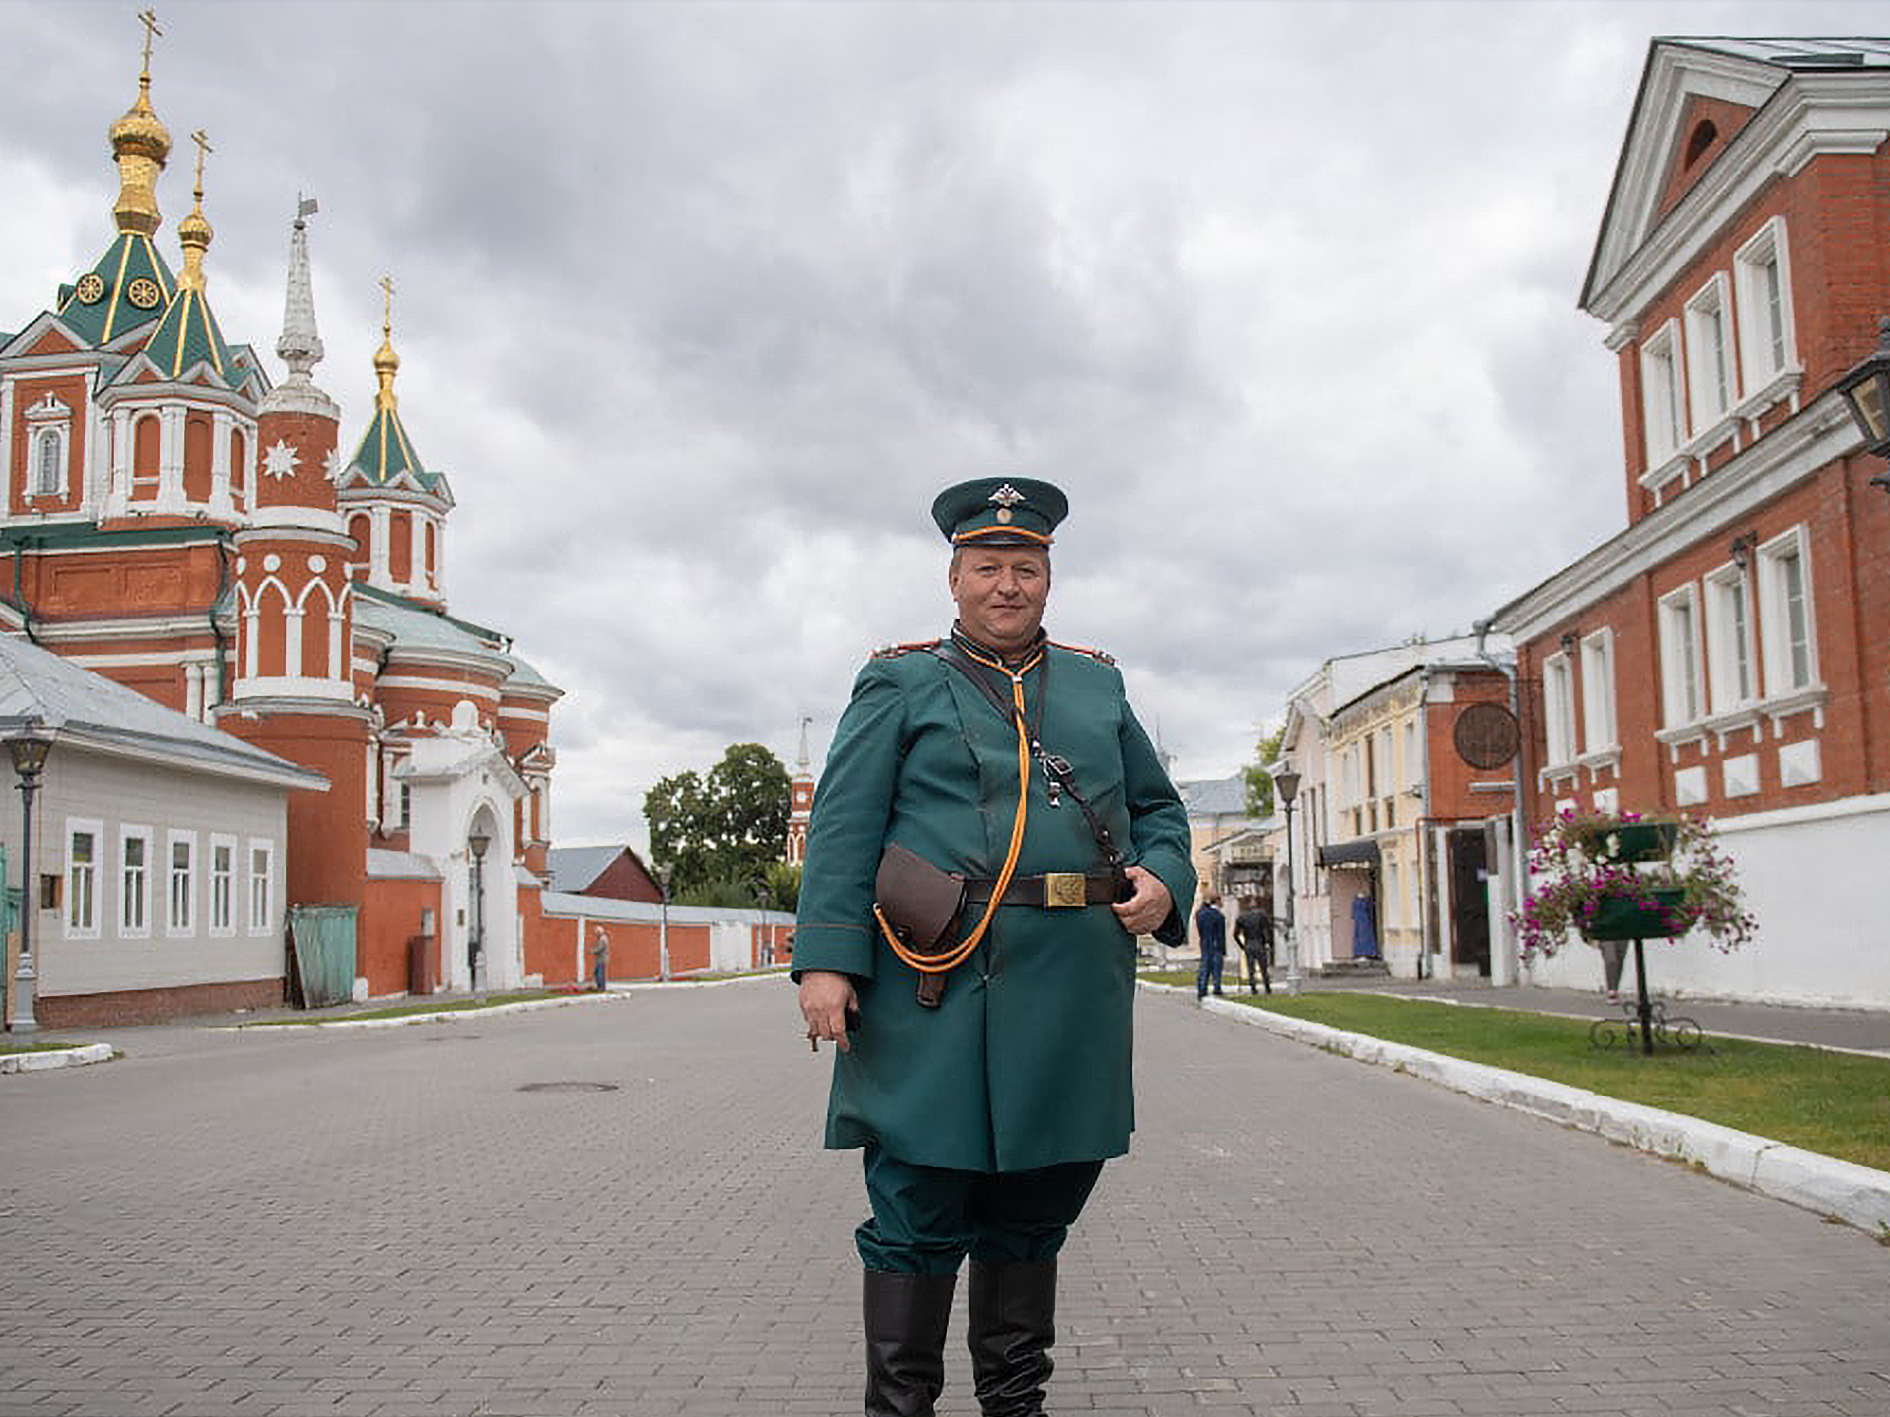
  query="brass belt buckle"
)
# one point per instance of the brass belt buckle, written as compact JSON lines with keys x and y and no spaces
{"x":1063,"y":889}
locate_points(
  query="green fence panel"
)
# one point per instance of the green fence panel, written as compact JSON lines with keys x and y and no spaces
{"x":321,"y":937}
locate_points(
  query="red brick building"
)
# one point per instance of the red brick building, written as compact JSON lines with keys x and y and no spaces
{"x":1727,"y":652}
{"x":179,"y":523}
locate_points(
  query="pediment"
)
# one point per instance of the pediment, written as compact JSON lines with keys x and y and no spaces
{"x":1681,"y":87}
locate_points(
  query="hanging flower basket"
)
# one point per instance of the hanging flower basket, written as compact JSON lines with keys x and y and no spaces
{"x":1650,"y":914}
{"x":1619,"y":876}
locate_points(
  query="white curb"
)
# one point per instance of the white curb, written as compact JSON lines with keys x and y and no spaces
{"x":1857,"y":1195}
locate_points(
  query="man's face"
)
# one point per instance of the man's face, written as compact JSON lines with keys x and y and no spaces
{"x":1001,"y":593}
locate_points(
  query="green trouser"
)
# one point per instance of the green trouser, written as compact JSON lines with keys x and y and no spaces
{"x":926,"y":1219}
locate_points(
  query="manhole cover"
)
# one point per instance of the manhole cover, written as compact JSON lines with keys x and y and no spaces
{"x":568,"y":1087}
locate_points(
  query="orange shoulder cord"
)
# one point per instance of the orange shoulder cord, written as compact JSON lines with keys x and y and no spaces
{"x":949,"y":959}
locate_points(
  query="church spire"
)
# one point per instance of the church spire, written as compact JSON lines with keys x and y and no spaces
{"x":300,"y":346}
{"x":140,"y":144}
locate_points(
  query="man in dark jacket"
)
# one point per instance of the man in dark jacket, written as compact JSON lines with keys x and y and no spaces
{"x":1253,"y":932}
{"x":983,"y":1062}
{"x":1210,"y":929}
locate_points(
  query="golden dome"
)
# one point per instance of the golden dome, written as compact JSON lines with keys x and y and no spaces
{"x":140,"y":132}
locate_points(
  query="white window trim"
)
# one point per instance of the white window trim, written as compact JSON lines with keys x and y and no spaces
{"x":75,"y":825}
{"x":126,"y":930}
{"x":1724,"y":698}
{"x":1761,"y":375}
{"x":268,"y":877}
{"x":1711,"y":305}
{"x":1558,"y":709}
{"x":228,"y":927}
{"x":1663,"y":347}
{"x":1774,"y":617}
{"x":1671,"y":670}
{"x":173,"y":928}
{"x":1597,"y":696}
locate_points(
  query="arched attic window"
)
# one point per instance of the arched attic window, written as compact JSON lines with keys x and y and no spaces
{"x":1703,"y":135}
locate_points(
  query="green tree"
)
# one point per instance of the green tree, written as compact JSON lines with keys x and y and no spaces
{"x":726,"y":826}
{"x":1258,"y":774}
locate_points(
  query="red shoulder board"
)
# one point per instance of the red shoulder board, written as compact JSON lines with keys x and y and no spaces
{"x":1094,"y":654}
{"x":895,"y":651}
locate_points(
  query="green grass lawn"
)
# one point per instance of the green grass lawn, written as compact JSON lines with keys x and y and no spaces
{"x":26,"y":1045}
{"x":1834,"y":1103}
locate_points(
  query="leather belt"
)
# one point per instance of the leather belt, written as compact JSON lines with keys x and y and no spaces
{"x":1054,"y":890}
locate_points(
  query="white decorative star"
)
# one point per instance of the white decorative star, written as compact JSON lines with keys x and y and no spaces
{"x":280,"y":460}
{"x":332,"y":465}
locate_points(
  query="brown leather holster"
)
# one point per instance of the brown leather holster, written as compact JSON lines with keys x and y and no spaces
{"x":920,"y":902}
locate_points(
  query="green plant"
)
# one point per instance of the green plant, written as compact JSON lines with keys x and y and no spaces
{"x":1580,"y":868}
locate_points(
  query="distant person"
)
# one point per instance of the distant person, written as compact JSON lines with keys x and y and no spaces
{"x":1210,"y":928}
{"x":1253,"y":932}
{"x":600,"y":959}
{"x":1613,"y":956}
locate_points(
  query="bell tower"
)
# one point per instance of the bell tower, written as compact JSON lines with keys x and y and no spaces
{"x":294,"y":687}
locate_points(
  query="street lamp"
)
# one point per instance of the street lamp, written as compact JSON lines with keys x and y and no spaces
{"x":28,"y":749}
{"x":662,"y":930}
{"x":1866,"y":391}
{"x":478,"y":842}
{"x":1286,"y":782}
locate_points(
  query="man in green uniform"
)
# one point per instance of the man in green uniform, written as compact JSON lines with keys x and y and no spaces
{"x":992,"y":830}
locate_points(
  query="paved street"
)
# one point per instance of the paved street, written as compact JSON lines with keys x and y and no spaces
{"x":395,"y":1222}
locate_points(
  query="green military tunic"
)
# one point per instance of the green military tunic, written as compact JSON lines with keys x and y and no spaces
{"x":1026,"y":1062}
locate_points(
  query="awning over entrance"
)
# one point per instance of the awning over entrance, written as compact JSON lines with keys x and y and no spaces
{"x":1363,"y":852}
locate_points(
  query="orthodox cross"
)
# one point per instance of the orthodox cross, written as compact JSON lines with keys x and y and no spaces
{"x":149,"y":20}
{"x":387,"y":307}
{"x":202,"y":140}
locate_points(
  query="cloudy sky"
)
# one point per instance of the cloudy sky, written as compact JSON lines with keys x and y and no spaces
{"x":700,"y":303}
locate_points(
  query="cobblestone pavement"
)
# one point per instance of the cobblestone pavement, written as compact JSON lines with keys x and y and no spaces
{"x":388,"y":1223}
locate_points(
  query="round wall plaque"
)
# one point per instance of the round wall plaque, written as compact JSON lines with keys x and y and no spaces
{"x":1485,"y":735}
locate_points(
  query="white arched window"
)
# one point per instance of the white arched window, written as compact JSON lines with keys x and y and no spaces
{"x":49,"y":462}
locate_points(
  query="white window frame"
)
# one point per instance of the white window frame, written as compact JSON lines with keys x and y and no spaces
{"x":1712,"y":374}
{"x":1682,"y":683}
{"x":221,"y":915}
{"x":1663,"y":395}
{"x":1729,"y":639}
{"x":1775,"y":614}
{"x":129,"y":928}
{"x":180,"y":888}
{"x":1765,"y":251}
{"x":1558,"y":708}
{"x":81,"y":883}
{"x":1599,"y":730}
{"x":259,"y":887}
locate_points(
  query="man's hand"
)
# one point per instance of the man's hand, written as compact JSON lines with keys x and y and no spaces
{"x":825,"y":999}
{"x":1145,"y":910}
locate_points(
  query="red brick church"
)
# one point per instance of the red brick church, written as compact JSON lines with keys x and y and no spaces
{"x":178,"y":521}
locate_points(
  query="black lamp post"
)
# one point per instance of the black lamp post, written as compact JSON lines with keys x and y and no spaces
{"x":28,"y":749}
{"x":478,"y":842}
{"x":1286,"y":783}
{"x":1866,"y":391}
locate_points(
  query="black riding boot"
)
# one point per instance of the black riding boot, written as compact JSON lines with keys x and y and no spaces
{"x":1013,"y":1324}
{"x":906,"y":1316}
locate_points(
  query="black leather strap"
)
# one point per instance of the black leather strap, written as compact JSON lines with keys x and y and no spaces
{"x":1098,"y":889}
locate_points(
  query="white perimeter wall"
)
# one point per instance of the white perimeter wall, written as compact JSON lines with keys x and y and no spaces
{"x":1814,"y":877}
